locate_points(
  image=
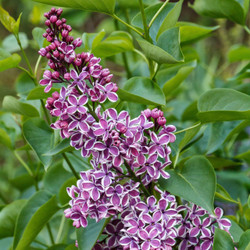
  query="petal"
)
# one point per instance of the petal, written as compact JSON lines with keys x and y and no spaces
{"x":72,"y":100}
{"x":84,"y":126}
{"x":99,"y":132}
{"x":155,"y":243}
{"x":194,"y":232}
{"x":112,"y":96}
{"x":218,"y":212}
{"x":164,"y":139}
{"x":103,"y":123}
{"x":112,"y":113}
{"x":114,"y":151}
{"x":99,"y":146}
{"x":83,"y":100}
{"x":143,"y":234}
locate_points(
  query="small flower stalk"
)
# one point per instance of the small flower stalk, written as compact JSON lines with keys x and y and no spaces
{"x":128,"y":155}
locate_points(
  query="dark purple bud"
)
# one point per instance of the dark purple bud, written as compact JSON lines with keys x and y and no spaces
{"x":161,"y":113}
{"x":55,"y":75}
{"x":77,"y":42}
{"x":58,"y":22}
{"x":42,"y":52}
{"x":105,"y":72}
{"x":57,"y":43}
{"x":53,"y":10}
{"x":64,"y":124}
{"x":161,"y":121}
{"x":147,"y":113}
{"x":69,"y":39}
{"x":123,"y":129}
{"x":48,"y":55}
{"x":59,"y":11}
{"x":47,"y":22}
{"x":69,"y":28}
{"x":50,"y":101}
{"x":45,"y":35}
{"x":67,"y":76}
{"x":46,"y":14}
{"x":52,"y":46}
{"x":51,"y":64}
{"x":53,"y":19}
{"x":55,"y":95}
{"x":78,"y":62}
{"x":56,"y":53}
{"x":65,"y":33}
{"x":49,"y":39}
{"x":115,"y":88}
{"x":155,"y":113}
{"x":64,"y":20}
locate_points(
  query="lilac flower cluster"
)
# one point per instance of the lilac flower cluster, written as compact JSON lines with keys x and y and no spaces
{"x":128,"y":155}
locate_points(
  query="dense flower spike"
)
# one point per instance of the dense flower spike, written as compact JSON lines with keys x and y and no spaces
{"x":128,"y":156}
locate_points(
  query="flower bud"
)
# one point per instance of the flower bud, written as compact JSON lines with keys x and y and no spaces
{"x":42,"y":52}
{"x":55,"y":75}
{"x":161,"y":120}
{"x":55,"y":95}
{"x":56,"y":53}
{"x":53,"y":19}
{"x":77,"y":42}
{"x":155,"y":113}
{"x":67,"y":76}
{"x":47,"y":22}
{"x":147,"y":113}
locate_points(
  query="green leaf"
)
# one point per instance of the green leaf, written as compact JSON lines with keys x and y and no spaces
{"x":8,"y":216}
{"x":238,"y":53}
{"x":33,"y":217}
{"x":64,"y":198}
{"x":191,"y":32}
{"x":23,"y":84}
{"x":236,"y":231}
{"x":13,"y":105}
{"x":221,"y":193}
{"x":10,"y":62}
{"x":16,"y":25}
{"x":63,"y":146}
{"x":234,"y":10}
{"x":5,"y":139}
{"x":105,"y":6}
{"x":91,"y":40}
{"x":165,"y":20}
{"x":244,"y":73}
{"x":55,"y":177}
{"x":38,"y":93}
{"x":179,"y":74}
{"x":222,"y":240}
{"x":219,"y":163}
{"x":167,"y":48}
{"x":244,"y":243}
{"x":37,"y":34}
{"x":7,"y":21}
{"x":88,"y":236}
{"x":10,"y":43}
{"x":142,"y":90}
{"x":40,"y":137}
{"x":223,"y":105}
{"x":116,"y":42}
{"x":194,"y":182}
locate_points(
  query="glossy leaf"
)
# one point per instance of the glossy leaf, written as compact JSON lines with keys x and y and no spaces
{"x":88,"y":236}
{"x":91,"y":40}
{"x":234,"y":10}
{"x":40,"y":137}
{"x":220,"y":163}
{"x":194,"y":182}
{"x":8,"y":216}
{"x":10,"y":62}
{"x":38,"y":93}
{"x":221,"y":193}
{"x":223,"y":105}
{"x":33,"y":217}
{"x":23,"y":85}
{"x":62,"y":192}
{"x":63,"y":146}
{"x":13,"y":105}
{"x":243,"y":74}
{"x":222,"y":240}
{"x":244,"y":243}
{"x":106,"y":6}
{"x":167,"y":48}
{"x":117,"y":42}
{"x":55,"y":177}
{"x":239,"y":53}
{"x":142,"y":90}
{"x":236,"y":231}
{"x":191,"y":32}
{"x":174,"y":77}
{"x":165,"y":20}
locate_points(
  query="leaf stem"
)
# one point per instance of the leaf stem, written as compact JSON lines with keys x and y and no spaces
{"x":59,"y":234}
{"x":92,"y":112}
{"x":37,"y":64}
{"x":50,"y":234}
{"x":247,"y":29}
{"x":70,"y":165}
{"x":157,"y":13}
{"x":186,"y":129}
{"x":126,"y":24}
{"x":23,"y":163}
{"x":24,"y":54}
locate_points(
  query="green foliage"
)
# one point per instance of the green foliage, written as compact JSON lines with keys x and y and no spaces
{"x":186,"y":182}
{"x":87,"y":237}
{"x":222,"y":240}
